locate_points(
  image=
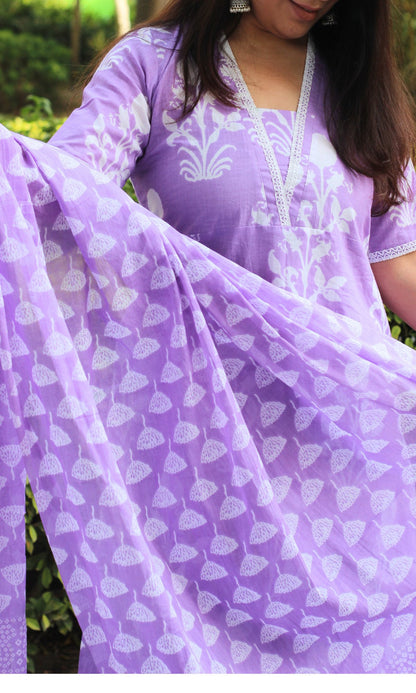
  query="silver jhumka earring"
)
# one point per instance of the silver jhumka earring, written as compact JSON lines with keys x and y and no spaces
{"x":237,"y":6}
{"x":329,"y":19}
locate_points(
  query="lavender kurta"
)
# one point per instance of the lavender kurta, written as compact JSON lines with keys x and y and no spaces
{"x":216,"y":175}
{"x":225,"y":466}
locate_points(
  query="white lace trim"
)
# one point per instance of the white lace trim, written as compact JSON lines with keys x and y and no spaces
{"x":300,"y":122}
{"x":275,"y":110}
{"x":283,"y":191}
{"x":390,"y":253}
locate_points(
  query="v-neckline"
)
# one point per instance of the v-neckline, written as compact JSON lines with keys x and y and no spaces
{"x":283,"y":189}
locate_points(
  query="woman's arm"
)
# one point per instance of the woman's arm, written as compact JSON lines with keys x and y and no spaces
{"x":111,"y":128}
{"x":396,"y":280}
{"x":392,"y":253}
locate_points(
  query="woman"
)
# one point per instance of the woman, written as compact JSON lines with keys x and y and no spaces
{"x":226,"y":468}
{"x":267,"y":69}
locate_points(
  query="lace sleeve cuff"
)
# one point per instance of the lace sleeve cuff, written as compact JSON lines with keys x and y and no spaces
{"x":390,"y":253}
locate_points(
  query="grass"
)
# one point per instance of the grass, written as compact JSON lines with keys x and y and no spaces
{"x":99,"y":8}
{"x":103,"y":9}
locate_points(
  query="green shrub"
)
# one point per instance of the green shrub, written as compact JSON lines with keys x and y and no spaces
{"x":401,"y":331}
{"x":35,"y":48}
{"x":30,"y":64}
{"x":48,"y":609}
{"x":52,"y":19}
{"x":36,"y":119}
{"x":404,"y":15}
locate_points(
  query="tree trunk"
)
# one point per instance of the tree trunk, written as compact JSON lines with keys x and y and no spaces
{"x":76,"y":35}
{"x":122,"y":16}
{"x":145,"y":8}
{"x":158,"y":5}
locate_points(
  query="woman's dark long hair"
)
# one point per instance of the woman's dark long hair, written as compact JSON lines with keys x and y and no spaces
{"x":368,"y":111}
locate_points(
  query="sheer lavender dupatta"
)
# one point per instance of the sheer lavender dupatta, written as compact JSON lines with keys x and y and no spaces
{"x":225,"y":471}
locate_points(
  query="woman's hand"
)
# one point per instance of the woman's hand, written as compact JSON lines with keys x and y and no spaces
{"x":396,"y":281}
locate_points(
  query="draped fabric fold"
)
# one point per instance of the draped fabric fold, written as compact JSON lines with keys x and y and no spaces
{"x":225,"y":471}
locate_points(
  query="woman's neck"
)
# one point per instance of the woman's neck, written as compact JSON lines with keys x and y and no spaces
{"x":264,"y":45}
{"x":271,"y":66}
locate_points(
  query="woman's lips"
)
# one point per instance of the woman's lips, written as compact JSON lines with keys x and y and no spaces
{"x":304,"y":12}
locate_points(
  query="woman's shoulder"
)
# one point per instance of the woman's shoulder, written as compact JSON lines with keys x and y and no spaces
{"x":155,"y":44}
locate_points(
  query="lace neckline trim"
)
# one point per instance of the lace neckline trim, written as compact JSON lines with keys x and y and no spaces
{"x":274,"y":110}
{"x":283,"y":189}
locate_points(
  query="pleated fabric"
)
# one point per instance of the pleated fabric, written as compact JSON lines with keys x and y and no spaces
{"x":225,"y":471}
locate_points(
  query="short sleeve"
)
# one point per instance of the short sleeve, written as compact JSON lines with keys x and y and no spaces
{"x":394,"y":233}
{"x":111,"y":128}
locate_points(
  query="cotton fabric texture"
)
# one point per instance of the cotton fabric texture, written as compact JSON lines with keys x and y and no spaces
{"x":218,"y":428}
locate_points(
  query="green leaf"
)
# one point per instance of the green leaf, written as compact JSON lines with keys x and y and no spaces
{"x":41,"y":563}
{"x":33,"y":624}
{"x":29,"y":547}
{"x":48,"y":598}
{"x":395,"y":331}
{"x":46,"y":578}
{"x":45,"y":622}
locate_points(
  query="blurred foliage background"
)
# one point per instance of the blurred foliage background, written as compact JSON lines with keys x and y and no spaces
{"x":44,"y":46}
{"x":404,"y":16}
{"x":36,"y":55}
